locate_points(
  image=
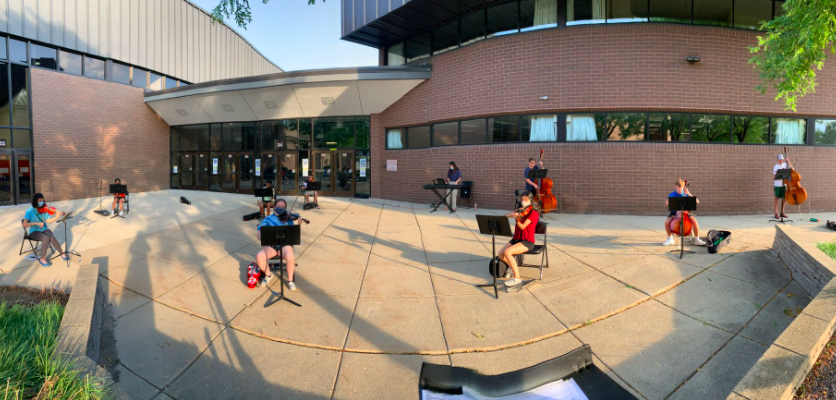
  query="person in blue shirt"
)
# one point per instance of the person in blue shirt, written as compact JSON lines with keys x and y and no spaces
{"x":280,"y":217}
{"x":454,"y":177}
{"x":682,"y":191}
{"x":36,"y":219}
{"x":529,"y":185}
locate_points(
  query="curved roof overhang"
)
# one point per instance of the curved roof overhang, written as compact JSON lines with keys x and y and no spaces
{"x":299,"y":94}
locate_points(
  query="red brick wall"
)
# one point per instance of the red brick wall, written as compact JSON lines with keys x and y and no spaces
{"x":638,"y":67}
{"x":86,"y":130}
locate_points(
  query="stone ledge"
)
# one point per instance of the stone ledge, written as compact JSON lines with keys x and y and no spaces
{"x":80,"y":330}
{"x":785,"y":365}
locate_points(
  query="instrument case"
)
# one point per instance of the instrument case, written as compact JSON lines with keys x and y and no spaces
{"x":713,"y":236}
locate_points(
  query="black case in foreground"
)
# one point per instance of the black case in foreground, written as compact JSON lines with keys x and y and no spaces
{"x":712,"y":237}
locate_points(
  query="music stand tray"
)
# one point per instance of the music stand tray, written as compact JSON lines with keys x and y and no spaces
{"x":682,"y":204}
{"x":494,"y":225}
{"x":262,"y":193}
{"x":313,"y":186}
{"x":280,"y":236}
{"x":535,"y":174}
{"x":783,"y":174}
{"x":118,"y":189}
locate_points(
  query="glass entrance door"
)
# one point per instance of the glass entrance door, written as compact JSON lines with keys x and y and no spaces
{"x":268,"y":169}
{"x":187,"y":171}
{"x":229,"y":174}
{"x":6,"y":182}
{"x":201,"y":171}
{"x":344,"y":173}
{"x":246,"y":173}
{"x":323,"y":172}
{"x":289,"y":172}
{"x":24,"y":176}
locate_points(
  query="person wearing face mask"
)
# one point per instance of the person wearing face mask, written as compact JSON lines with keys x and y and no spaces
{"x":280,"y":217}
{"x":526,"y":218}
{"x":454,"y":177}
{"x":36,"y":219}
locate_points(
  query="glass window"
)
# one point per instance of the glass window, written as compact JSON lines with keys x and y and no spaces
{"x":538,"y":14}
{"x":280,"y":135}
{"x":446,"y":37}
{"x":625,"y":127}
{"x":750,"y":129}
{"x":396,"y":55}
{"x":670,"y":11}
{"x":585,"y":127}
{"x":175,"y":166}
{"x":749,"y":14}
{"x":825,"y":131}
{"x":3,"y":47}
{"x":713,"y":12}
{"x":94,"y":68}
{"x":170,"y":83}
{"x":503,"y":129}
{"x":446,"y":134}
{"x":333,"y":132}
{"x":362,"y":127}
{"x":175,"y":138}
{"x":231,"y":136}
{"x":788,"y":131}
{"x":22,"y":139}
{"x":17,"y":51}
{"x":5,"y":107}
{"x":6,"y":138}
{"x":710,"y":128}
{"x":778,"y":8}
{"x":304,"y":134}
{"x":20,"y":95}
{"x":585,"y":12}
{"x":155,"y":82}
{"x":418,"y":47}
{"x":669,"y":127}
{"x":502,"y":19}
{"x":473,"y":27}
{"x":395,"y":139}
{"x":182,"y":83}
{"x":539,"y":128}
{"x":190,"y":138}
{"x":215,"y":142}
{"x":249,"y":136}
{"x":362,"y":176}
{"x":626,"y":11}
{"x":121,"y":73}
{"x":418,"y":137}
{"x":44,"y":57}
{"x":473,"y":131}
{"x":139,"y":77}
{"x":70,"y":62}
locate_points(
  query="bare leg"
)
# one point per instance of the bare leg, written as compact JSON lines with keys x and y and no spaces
{"x":668,"y":226}
{"x":261,"y":258}
{"x":113,"y":206}
{"x":315,"y":198}
{"x":290,"y":261}
{"x":510,"y":252}
{"x":695,"y":227}
{"x":775,"y":205}
{"x":501,"y":253}
{"x":306,"y":198}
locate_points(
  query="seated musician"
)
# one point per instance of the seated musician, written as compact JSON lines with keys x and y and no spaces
{"x":523,"y":241}
{"x":682,"y":191}
{"x":529,"y":184}
{"x":118,"y":198}
{"x":454,"y":177}
{"x":310,"y":193}
{"x":267,"y":202}
{"x":36,"y":219}
{"x":280,"y":217}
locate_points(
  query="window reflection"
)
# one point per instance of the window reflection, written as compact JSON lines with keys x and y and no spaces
{"x":626,"y":11}
{"x":94,"y":67}
{"x":503,"y":129}
{"x":585,"y":11}
{"x":669,"y":127}
{"x":446,"y":134}
{"x":418,"y":137}
{"x":825,"y":131}
{"x":713,"y":12}
{"x":748,"y":14}
{"x":44,"y":57}
{"x":624,"y":127}
{"x":121,"y":73}
{"x":711,"y":128}
{"x":670,"y":11}
{"x":70,"y":62}
{"x":20,"y":95}
{"x":502,"y":19}
{"x":5,"y":106}
{"x":538,"y":14}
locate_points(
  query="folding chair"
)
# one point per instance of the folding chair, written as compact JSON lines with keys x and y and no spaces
{"x":517,"y":194}
{"x":26,"y":238}
{"x":542,"y":250}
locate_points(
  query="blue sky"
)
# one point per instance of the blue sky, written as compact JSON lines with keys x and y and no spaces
{"x":297,"y":36}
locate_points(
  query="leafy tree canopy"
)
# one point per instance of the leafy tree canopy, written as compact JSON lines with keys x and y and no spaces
{"x":238,"y":10}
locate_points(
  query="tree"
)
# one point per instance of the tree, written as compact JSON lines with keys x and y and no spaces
{"x":239,"y":10}
{"x":794,"y":48}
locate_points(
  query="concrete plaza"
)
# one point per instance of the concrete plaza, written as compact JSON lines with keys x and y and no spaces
{"x":387,"y":285}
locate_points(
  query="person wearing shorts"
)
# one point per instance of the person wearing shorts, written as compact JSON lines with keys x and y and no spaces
{"x":681,"y":191}
{"x":523,"y":240}
{"x":778,"y":187}
{"x":278,"y":218}
{"x":266,"y":203}
{"x":310,"y":193}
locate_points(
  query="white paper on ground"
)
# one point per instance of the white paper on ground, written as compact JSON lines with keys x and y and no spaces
{"x":558,"y":390}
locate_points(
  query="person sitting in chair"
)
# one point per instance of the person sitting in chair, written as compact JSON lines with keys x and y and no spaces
{"x":523,"y":240}
{"x":280,"y":217}
{"x":681,"y":191}
{"x":310,"y":193}
{"x":36,"y":219}
{"x":118,"y":199}
{"x":267,"y":202}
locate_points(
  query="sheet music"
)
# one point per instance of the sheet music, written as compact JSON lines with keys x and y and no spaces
{"x":558,"y":390}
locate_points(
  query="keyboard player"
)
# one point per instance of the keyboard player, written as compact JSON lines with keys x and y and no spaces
{"x":454,"y":177}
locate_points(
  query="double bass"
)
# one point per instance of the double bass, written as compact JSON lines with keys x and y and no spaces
{"x":545,"y":196}
{"x":795,"y":194}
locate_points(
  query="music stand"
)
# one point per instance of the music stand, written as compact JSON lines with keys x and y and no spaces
{"x":263,"y":193}
{"x":783,"y":174}
{"x":495,"y":226}
{"x":313,"y":186}
{"x":535,"y":174}
{"x":118,"y":189}
{"x":280,"y":236}
{"x":67,"y":250}
{"x":682,"y":204}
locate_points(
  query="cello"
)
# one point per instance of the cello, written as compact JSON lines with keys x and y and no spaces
{"x":681,"y":220}
{"x":795,"y":194}
{"x":545,"y":196}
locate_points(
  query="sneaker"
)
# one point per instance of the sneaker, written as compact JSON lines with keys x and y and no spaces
{"x":699,"y":242}
{"x":513,"y":282}
{"x":291,"y":286}
{"x":508,"y":273}
{"x":669,"y":242}
{"x":267,"y":279}
{"x":121,"y":213}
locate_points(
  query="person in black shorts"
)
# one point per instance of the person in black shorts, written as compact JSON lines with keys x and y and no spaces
{"x":280,"y":217}
{"x":523,"y":241}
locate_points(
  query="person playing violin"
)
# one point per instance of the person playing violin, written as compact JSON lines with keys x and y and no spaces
{"x":527,"y":218}
{"x":529,"y":184}
{"x":36,"y":219}
{"x":779,"y":188}
{"x":280,"y":217}
{"x":681,"y":191}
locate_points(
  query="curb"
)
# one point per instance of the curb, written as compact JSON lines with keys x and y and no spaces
{"x":80,"y":330}
{"x":786,"y":363}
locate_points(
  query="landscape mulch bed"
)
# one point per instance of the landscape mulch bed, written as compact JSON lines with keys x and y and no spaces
{"x":25,"y":296}
{"x":820,"y":383}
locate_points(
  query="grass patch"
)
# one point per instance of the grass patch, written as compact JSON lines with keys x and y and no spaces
{"x":28,"y":335}
{"x":828,"y":248}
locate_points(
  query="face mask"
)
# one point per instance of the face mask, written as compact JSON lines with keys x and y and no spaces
{"x":451,"y":168}
{"x":40,"y":204}
{"x":526,"y":203}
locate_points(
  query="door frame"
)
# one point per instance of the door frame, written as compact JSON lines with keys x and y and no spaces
{"x":255,"y":179}
{"x":226,"y":155}
{"x":335,"y":154}
{"x":190,"y":156}
{"x":277,"y":182}
{"x":197,"y":156}
{"x":12,"y":178}
{"x":18,"y":153}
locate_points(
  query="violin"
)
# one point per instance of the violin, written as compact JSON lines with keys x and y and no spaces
{"x":795,"y":193}
{"x":545,"y":196}
{"x":523,"y":212}
{"x":47,"y":210}
{"x":295,"y":216}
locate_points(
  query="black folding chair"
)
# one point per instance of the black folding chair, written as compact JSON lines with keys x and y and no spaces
{"x":542,"y":250}
{"x":26,"y":238}
{"x":517,"y":195}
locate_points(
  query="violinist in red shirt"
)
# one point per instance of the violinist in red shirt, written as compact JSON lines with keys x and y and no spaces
{"x":118,"y":199}
{"x":527,"y":218}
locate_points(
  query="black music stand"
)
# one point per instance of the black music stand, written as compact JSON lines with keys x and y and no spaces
{"x":682,"y":204}
{"x":535,"y":174}
{"x":118,"y":189}
{"x":280,"y":236}
{"x":495,"y":226}
{"x":263,"y":193}
{"x":783,"y":174}
{"x":67,"y":250}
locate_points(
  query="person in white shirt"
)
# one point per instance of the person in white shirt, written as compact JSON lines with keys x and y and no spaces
{"x":779,"y":188}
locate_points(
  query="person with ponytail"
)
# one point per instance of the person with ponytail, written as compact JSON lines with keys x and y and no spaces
{"x":36,"y":219}
{"x":526,"y":218}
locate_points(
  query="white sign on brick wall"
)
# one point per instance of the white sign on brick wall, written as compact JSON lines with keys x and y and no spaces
{"x":391,"y":165}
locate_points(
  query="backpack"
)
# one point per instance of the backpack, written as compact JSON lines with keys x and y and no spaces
{"x":502,"y":267}
{"x":253,"y":275}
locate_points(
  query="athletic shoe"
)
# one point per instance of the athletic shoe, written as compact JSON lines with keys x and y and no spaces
{"x":267,"y":279}
{"x":121,"y":213}
{"x":291,"y":286}
{"x":65,"y":257}
{"x":669,"y":242}
{"x":699,"y":242}
{"x":513,"y":282}
{"x":508,"y":273}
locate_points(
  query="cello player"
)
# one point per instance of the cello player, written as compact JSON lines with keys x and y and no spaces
{"x":681,"y":191}
{"x":529,"y":184}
